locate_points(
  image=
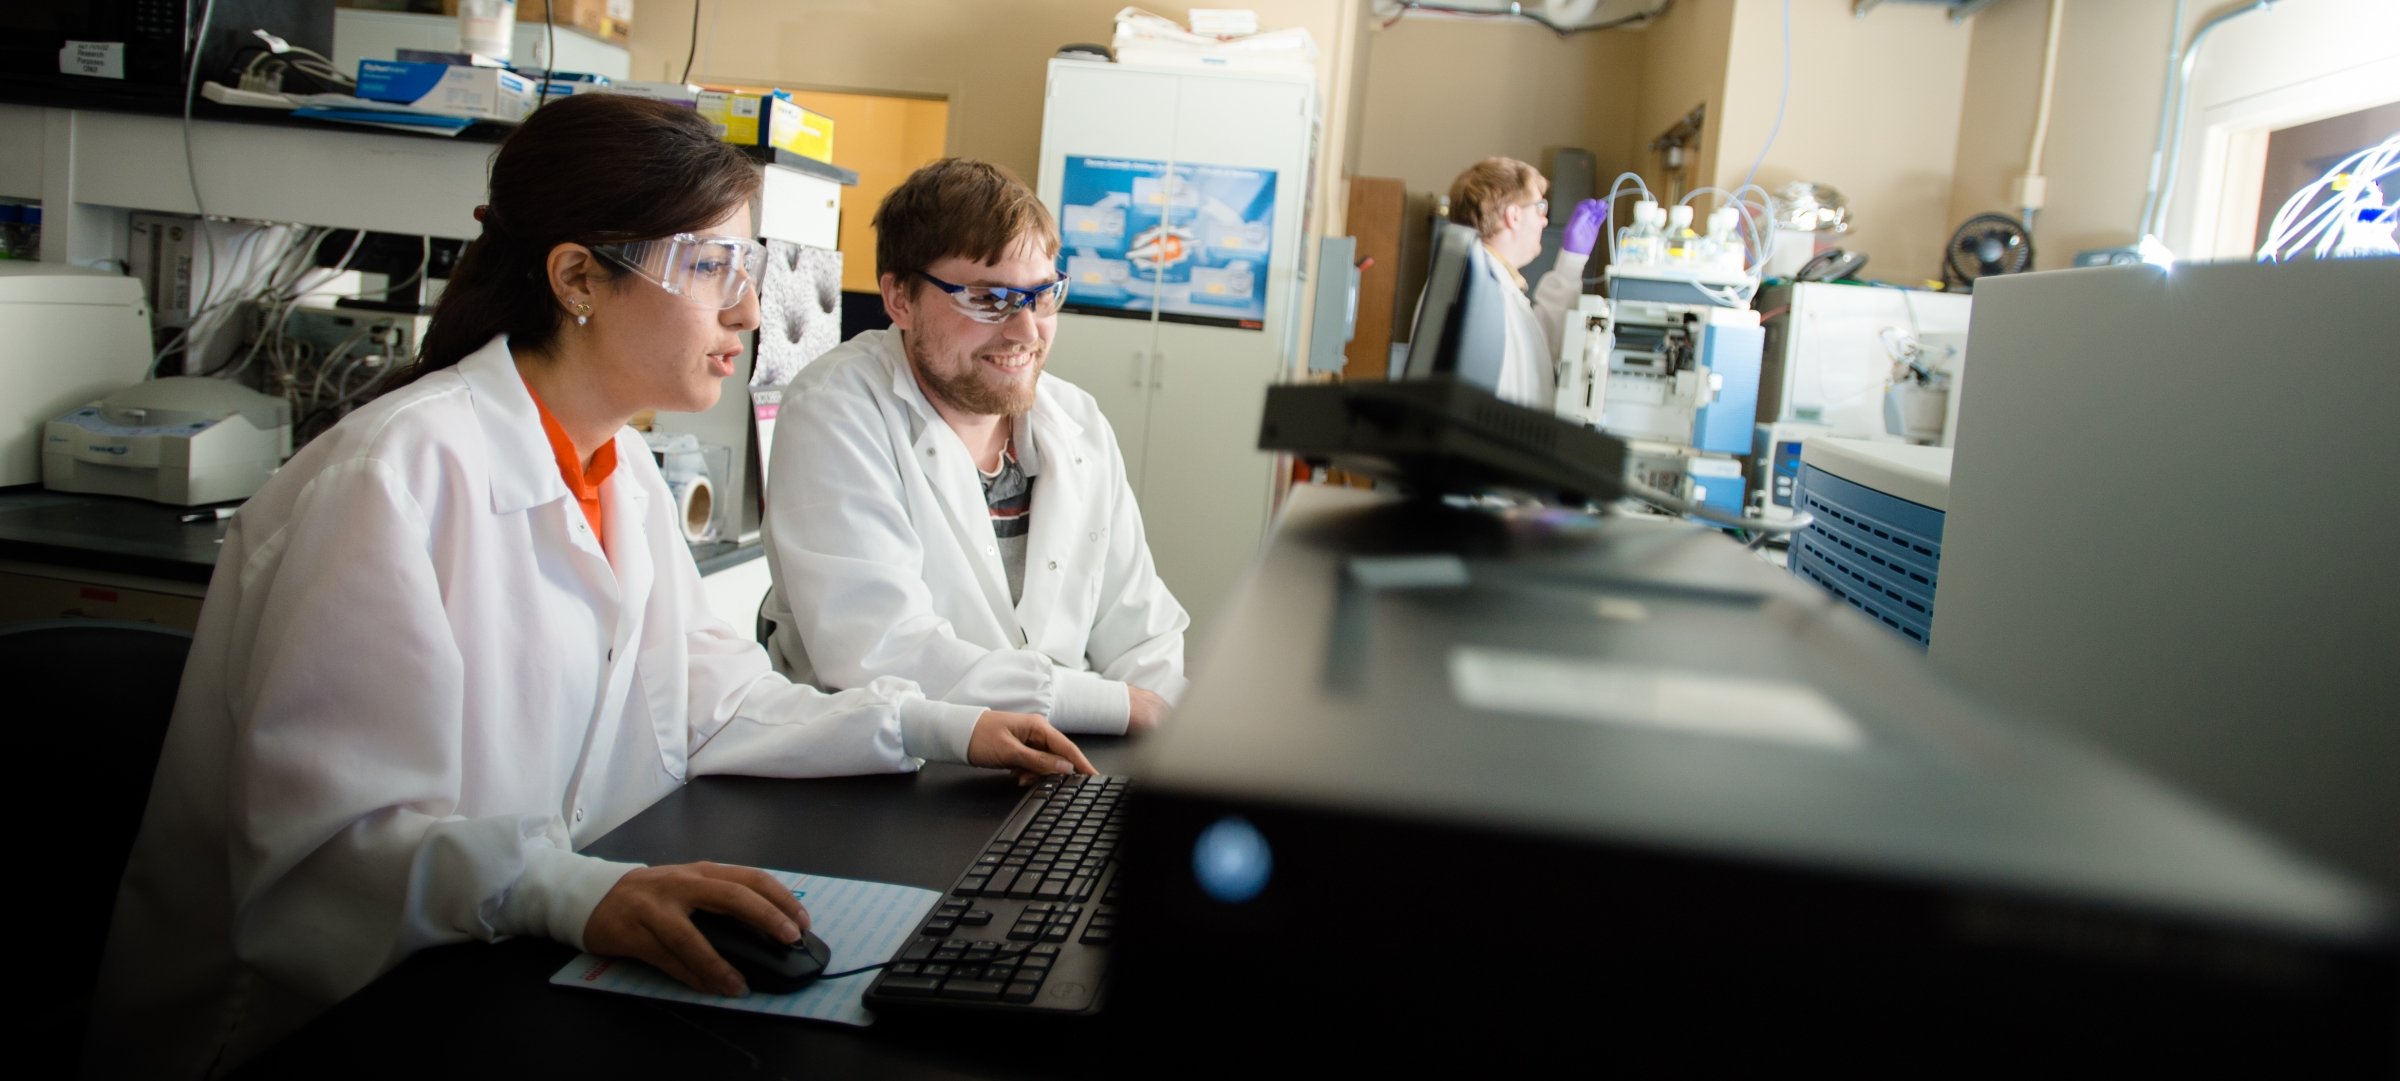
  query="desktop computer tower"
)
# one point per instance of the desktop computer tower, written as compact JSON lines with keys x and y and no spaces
{"x":1523,"y":785}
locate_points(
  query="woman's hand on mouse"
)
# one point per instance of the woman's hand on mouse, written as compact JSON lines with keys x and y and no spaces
{"x":647,"y":916}
{"x":1025,"y":744}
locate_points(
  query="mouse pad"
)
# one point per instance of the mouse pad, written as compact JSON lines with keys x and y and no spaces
{"x":862,"y":922}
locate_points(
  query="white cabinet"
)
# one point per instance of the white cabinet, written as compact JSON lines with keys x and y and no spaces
{"x":1180,"y":197}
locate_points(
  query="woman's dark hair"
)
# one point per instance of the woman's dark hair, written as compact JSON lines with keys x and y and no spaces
{"x":589,"y":169}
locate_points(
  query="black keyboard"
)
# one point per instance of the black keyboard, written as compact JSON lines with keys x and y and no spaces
{"x":1028,"y":925}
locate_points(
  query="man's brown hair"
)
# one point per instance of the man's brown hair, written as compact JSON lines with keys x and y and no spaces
{"x":957,"y":206}
{"x":1482,"y":195}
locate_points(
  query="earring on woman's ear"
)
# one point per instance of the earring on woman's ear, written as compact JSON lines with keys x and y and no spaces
{"x":583,"y":313}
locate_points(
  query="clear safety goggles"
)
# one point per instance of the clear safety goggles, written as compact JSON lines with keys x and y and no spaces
{"x":714,"y":272}
{"x":995,"y":303}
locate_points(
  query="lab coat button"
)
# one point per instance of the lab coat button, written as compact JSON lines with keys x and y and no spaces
{"x":1053,"y":564}
{"x":579,"y":814}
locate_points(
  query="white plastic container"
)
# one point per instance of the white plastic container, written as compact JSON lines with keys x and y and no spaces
{"x":485,"y":27}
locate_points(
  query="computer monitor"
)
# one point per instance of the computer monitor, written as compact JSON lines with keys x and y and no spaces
{"x":1461,"y":328}
{"x":1440,"y":427}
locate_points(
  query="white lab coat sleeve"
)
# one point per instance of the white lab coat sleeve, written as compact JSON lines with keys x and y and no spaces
{"x":348,"y":693}
{"x":1137,"y":635}
{"x":747,"y":719}
{"x":852,"y":562}
{"x":1555,"y":296}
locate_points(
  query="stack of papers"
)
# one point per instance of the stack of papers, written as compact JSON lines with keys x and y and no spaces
{"x":1224,"y":22}
{"x":1147,"y":40}
{"x":342,"y":108}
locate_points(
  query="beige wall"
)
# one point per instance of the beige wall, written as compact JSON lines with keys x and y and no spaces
{"x":1442,"y":94}
{"x":882,"y":139}
{"x":1874,"y":111}
{"x":2102,"y":119}
{"x":986,"y":58}
{"x":2257,"y":71}
{"x":1683,"y":64}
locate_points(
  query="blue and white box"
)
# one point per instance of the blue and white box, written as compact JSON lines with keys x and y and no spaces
{"x":448,"y":89}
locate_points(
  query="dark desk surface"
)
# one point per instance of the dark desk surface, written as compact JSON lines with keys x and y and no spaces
{"x":490,"y":1010}
{"x":106,"y":533}
{"x":148,"y":540}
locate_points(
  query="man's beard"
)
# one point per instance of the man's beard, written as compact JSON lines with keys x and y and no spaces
{"x":966,"y":391}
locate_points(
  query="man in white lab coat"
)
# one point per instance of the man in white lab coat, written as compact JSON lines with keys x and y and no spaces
{"x":940,"y":510}
{"x":1504,"y":201}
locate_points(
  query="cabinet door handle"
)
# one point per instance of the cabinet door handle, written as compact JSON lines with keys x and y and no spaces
{"x":1158,"y":371}
{"x":1140,"y":362}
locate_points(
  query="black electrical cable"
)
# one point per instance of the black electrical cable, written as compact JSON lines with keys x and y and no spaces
{"x":549,"y":53}
{"x":693,"y":49}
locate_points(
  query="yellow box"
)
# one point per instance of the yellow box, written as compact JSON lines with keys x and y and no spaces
{"x":808,"y":134}
{"x":733,"y":112}
{"x":753,"y":118}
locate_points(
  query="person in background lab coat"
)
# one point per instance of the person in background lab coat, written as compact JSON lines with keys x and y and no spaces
{"x":940,"y":510}
{"x":460,"y":635}
{"x":1502,"y":199}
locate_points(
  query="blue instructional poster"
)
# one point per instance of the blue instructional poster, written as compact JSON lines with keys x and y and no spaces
{"x":1193,"y":240}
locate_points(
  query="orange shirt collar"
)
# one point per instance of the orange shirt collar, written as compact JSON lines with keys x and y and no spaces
{"x":584,"y":482}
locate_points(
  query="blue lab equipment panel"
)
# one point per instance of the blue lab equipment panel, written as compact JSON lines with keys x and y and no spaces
{"x":1874,"y":550}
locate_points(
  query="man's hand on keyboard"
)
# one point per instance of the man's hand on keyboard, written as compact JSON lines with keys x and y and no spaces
{"x":1023,"y":743}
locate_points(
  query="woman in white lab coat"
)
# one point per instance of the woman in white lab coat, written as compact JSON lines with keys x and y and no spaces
{"x":1504,"y":201}
{"x":459,"y":635}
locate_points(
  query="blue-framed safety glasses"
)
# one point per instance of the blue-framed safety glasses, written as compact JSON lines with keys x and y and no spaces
{"x":995,"y":303}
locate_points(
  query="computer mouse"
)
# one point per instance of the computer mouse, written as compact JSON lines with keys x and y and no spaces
{"x":768,"y":966}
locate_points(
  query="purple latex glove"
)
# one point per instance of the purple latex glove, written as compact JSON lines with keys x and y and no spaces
{"x":1583,"y":227}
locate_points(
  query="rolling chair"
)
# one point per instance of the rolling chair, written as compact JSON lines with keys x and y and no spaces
{"x":94,"y":697}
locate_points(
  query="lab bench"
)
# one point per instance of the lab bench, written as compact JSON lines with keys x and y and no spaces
{"x":63,"y":554}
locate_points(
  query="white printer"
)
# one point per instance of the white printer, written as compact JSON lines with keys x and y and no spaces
{"x":182,"y":440}
{"x":67,"y":336}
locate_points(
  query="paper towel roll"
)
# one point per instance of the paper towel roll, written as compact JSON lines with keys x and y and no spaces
{"x":695,"y":507}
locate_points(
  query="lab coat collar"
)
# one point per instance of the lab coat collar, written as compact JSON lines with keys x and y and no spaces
{"x":1046,"y":426}
{"x":522,"y":466}
{"x":523,"y":471}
